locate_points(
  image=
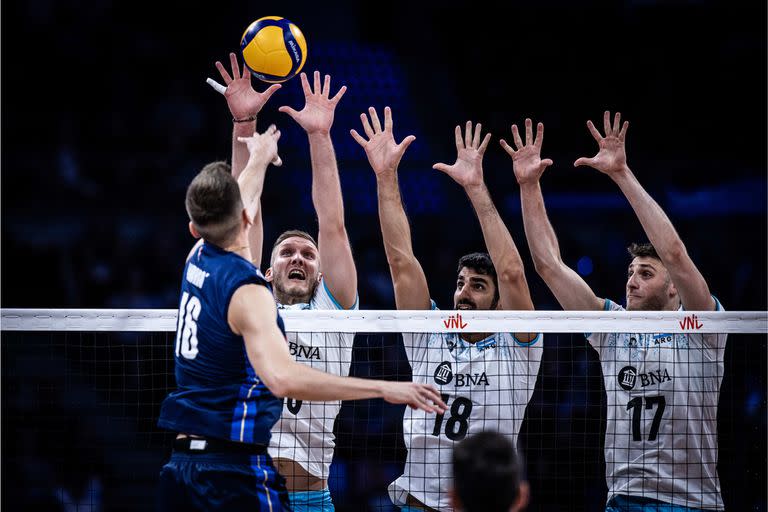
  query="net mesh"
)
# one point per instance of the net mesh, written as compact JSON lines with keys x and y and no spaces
{"x":80,"y":410}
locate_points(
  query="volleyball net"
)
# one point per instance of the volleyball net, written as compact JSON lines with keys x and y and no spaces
{"x":667,"y":405}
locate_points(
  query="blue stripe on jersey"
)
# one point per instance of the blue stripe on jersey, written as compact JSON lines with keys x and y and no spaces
{"x":527,"y":343}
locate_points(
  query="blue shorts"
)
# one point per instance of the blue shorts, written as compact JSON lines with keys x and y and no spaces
{"x":623,"y":503}
{"x":221,"y":481}
{"x":311,"y":501}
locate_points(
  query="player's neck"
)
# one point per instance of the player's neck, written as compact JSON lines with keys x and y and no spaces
{"x":240,"y":247}
{"x":289,"y":300}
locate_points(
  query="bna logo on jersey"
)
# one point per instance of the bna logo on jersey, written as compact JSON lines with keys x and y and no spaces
{"x":627,"y":377}
{"x":443,"y":373}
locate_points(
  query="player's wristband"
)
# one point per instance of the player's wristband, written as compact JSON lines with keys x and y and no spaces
{"x":245,"y":120}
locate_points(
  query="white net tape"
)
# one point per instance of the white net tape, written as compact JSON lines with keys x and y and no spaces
{"x":385,"y":321}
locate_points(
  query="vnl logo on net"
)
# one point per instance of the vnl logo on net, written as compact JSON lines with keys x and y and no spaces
{"x":454,"y":322}
{"x":691,"y":322}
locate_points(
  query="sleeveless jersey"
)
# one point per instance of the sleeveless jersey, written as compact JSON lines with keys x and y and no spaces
{"x":661,"y":436}
{"x":304,"y":432}
{"x":219,"y":395}
{"x":486,"y":386}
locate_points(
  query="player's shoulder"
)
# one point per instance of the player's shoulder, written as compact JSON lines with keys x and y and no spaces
{"x":324,"y":299}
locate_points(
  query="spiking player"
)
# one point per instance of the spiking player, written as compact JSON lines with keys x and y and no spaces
{"x":307,"y":274}
{"x":486,"y":379}
{"x":661,"y":437}
{"x":231,"y":357}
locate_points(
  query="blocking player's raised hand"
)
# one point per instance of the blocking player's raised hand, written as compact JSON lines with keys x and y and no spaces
{"x":467,"y":171}
{"x":384,"y":154}
{"x":242,"y":99}
{"x":415,"y":395}
{"x":319,"y":107}
{"x":526,"y":160}
{"x":611,"y":157}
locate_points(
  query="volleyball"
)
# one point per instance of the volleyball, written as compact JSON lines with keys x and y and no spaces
{"x":274,"y":49}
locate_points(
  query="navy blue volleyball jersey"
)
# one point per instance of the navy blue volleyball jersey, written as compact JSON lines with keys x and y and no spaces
{"x":219,"y":395}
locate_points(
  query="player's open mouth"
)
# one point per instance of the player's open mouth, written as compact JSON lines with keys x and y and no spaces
{"x":297,"y":274}
{"x":465,"y":306}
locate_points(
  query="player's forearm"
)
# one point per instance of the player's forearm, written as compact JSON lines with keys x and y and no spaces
{"x":539,"y":233}
{"x":498,"y":240}
{"x":240,"y":153}
{"x":251,"y":183}
{"x":305,"y":383}
{"x":256,"y":237}
{"x":661,"y":233}
{"x":395,"y":230}
{"x":326,"y":187}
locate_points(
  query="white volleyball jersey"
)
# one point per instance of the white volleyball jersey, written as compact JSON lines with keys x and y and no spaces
{"x":661,"y":435}
{"x":304,"y":432}
{"x":486,"y":386}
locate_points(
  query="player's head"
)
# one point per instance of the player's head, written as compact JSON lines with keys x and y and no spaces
{"x":477,"y":286}
{"x":649,"y":287}
{"x":294,"y":267}
{"x":487,"y":475}
{"x":214,"y":205}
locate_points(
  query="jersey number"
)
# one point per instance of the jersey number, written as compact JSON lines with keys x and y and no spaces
{"x":186,"y":335}
{"x":636,"y":404}
{"x":293,"y":406}
{"x":457,"y":425}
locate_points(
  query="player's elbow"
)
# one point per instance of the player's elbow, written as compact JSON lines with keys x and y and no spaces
{"x":675,"y":255}
{"x":278,"y":384}
{"x":512,"y":276}
{"x":545,"y":267}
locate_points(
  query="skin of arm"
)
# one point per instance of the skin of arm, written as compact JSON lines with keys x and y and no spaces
{"x":384,"y":155}
{"x":467,"y":171}
{"x":611,"y":159}
{"x":316,"y":118}
{"x":244,"y":103}
{"x":570,"y":290}
{"x":252,"y":313}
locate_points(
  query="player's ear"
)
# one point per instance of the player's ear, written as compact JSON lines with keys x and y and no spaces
{"x":523,"y":496}
{"x":268,"y":275}
{"x":319,"y":277}
{"x":247,"y":221}
{"x":193,"y":230}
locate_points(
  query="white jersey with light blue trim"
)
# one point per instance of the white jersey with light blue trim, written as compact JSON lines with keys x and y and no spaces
{"x":661,"y":435}
{"x":486,"y":385}
{"x":304,"y":432}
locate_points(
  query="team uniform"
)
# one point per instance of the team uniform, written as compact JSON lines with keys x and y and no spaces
{"x":219,"y":397}
{"x":304,"y":432}
{"x":661,"y":436}
{"x":486,"y":386}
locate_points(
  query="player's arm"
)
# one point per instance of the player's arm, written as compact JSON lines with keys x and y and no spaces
{"x":316,"y":118}
{"x":262,"y":149}
{"x":611,"y":159}
{"x":570,"y":290}
{"x":467,"y":171}
{"x":252,"y":314}
{"x":244,"y":104}
{"x":384,"y":155}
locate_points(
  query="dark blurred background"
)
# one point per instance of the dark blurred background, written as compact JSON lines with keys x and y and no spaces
{"x":106,"y":118}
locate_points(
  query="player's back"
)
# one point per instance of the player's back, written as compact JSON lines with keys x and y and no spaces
{"x":219,"y":395}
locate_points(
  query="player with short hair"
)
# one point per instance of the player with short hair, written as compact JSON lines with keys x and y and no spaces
{"x":308,"y":274}
{"x":487,"y":475}
{"x":232,"y":360}
{"x":487,"y":379}
{"x":661,"y":437}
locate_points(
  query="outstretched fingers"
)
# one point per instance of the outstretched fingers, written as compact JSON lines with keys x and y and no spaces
{"x":539,"y":135}
{"x":339,"y":94}
{"x":270,"y":91}
{"x":468,"y":134}
{"x":326,"y":86}
{"x":623,"y":132}
{"x":595,"y":134}
{"x":616,"y":123}
{"x":459,"y":138}
{"x":366,"y":125}
{"x":516,"y":137}
{"x":476,"y":139}
{"x":374,"y":119}
{"x":506,"y":147}
{"x":317,"y":89}
{"x":223,"y":72}
{"x":305,"y":85}
{"x":234,"y":65}
{"x":358,"y":138}
{"x":484,"y":144}
{"x":607,"y":123}
{"x":528,"y":132}
{"x":388,"y":119}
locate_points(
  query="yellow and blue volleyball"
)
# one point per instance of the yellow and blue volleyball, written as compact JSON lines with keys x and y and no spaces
{"x":274,"y":49}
